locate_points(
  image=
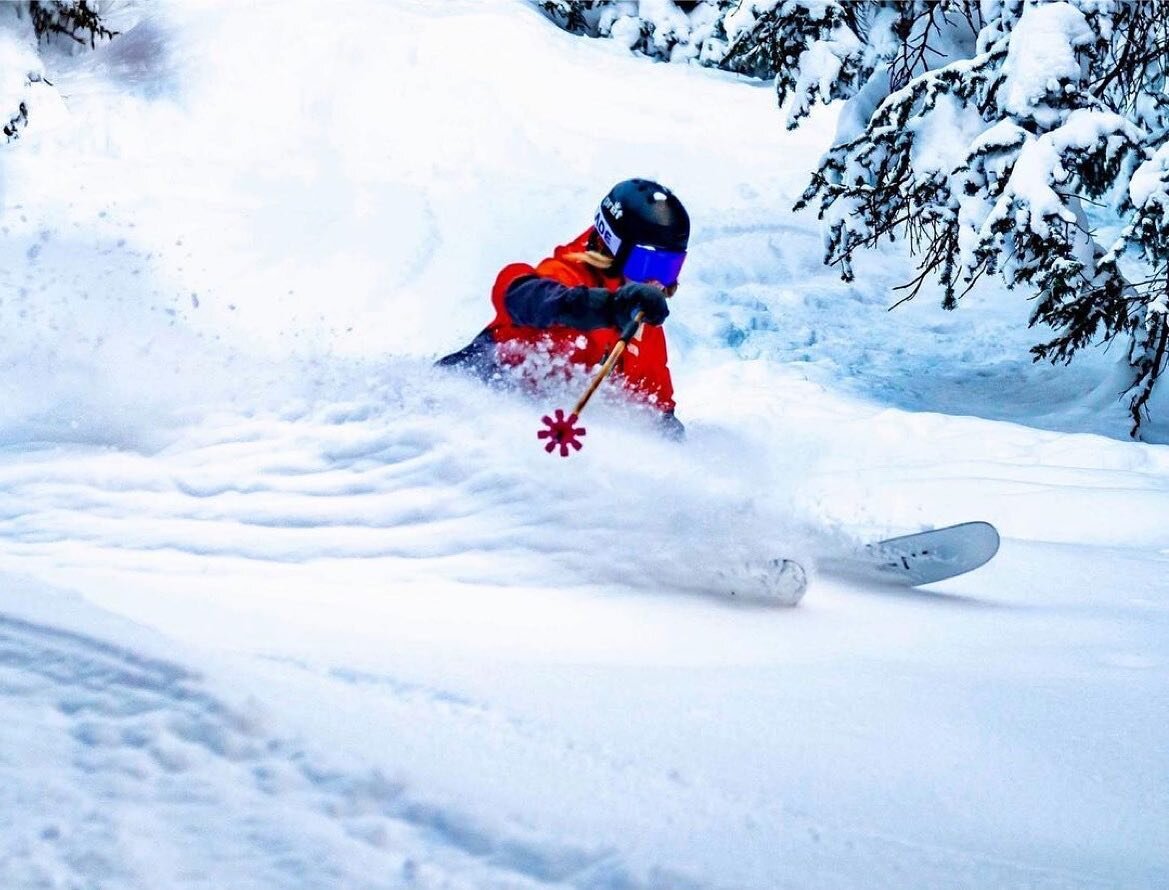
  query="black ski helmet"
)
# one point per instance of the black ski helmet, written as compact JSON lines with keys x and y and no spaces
{"x":640,"y":211}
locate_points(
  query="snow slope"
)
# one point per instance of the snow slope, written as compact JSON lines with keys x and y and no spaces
{"x":283,"y":606}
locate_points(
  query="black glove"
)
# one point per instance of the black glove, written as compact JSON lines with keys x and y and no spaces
{"x":629,"y":299}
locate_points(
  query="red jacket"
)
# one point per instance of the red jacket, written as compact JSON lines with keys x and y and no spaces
{"x":642,"y":366}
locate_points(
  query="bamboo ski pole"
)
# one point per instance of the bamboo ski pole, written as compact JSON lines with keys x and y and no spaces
{"x":610,"y":362}
{"x":561,"y":431}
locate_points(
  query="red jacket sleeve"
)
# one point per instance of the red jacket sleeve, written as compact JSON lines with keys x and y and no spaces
{"x":507,"y":276}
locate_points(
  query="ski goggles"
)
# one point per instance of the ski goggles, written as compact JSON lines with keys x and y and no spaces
{"x":653,"y":264}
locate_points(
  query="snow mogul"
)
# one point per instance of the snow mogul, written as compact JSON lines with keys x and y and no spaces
{"x":570,"y":308}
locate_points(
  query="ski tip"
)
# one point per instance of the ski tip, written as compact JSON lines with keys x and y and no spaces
{"x":985,"y":533}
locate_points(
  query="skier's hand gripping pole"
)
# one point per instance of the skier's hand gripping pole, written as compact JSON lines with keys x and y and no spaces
{"x":562,"y":431}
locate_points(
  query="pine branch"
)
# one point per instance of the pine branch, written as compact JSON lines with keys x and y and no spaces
{"x":71,"y":18}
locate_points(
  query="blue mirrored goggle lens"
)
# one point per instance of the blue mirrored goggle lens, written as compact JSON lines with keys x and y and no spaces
{"x":653,"y":264}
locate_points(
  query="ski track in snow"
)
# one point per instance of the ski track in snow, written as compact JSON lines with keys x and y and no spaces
{"x":137,"y":742}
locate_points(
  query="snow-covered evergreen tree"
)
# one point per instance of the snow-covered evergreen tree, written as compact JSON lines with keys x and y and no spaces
{"x":24,"y":28}
{"x":1147,"y":301}
{"x":668,"y":30}
{"x":1010,"y":137}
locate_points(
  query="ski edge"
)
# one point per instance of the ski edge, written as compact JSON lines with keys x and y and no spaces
{"x":872,"y":565}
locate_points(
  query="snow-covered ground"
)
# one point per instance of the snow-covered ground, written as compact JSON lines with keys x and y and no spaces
{"x":283,"y":606}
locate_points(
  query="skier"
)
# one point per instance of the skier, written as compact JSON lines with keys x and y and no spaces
{"x":572,"y":306}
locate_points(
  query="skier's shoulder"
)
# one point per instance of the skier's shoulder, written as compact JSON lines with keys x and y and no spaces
{"x":564,"y":266}
{"x":566,"y":272}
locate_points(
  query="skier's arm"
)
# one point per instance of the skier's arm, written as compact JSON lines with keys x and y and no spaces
{"x":541,"y":302}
